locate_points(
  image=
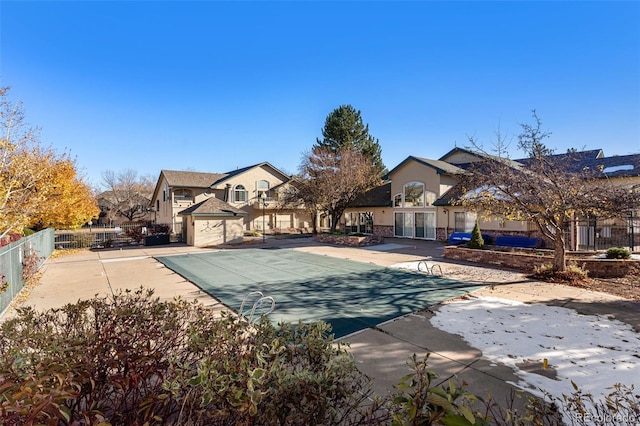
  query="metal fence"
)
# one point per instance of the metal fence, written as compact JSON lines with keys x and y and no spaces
{"x":594,"y":235}
{"x":12,"y":259}
{"x":103,"y":236}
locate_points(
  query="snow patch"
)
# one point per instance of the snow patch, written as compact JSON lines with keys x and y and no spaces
{"x":593,"y":351}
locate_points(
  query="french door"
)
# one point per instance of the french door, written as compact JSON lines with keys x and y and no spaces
{"x":415,"y":225}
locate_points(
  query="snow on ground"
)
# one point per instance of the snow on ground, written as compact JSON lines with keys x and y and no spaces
{"x":595,"y":352}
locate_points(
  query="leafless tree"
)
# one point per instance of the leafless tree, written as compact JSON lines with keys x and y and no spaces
{"x":126,"y":194}
{"x":548,"y":190}
{"x":330,"y":181}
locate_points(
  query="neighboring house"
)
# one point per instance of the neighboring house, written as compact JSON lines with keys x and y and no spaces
{"x":252,"y":193}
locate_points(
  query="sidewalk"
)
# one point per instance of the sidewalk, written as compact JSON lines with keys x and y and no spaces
{"x":382,"y":352}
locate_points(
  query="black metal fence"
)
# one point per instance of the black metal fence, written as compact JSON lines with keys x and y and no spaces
{"x":104,"y":236}
{"x":591,"y":234}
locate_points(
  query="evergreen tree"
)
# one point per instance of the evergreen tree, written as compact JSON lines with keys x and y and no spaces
{"x":476,"y":242}
{"x":344,"y":128}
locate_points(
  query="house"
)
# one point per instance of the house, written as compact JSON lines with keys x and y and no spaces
{"x":418,"y":200}
{"x":245,"y":199}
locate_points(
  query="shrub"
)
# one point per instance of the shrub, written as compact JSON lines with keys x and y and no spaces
{"x":620,"y":406}
{"x":420,"y":403}
{"x":476,"y":241}
{"x":133,"y":359}
{"x":572,"y":275}
{"x":618,"y":253}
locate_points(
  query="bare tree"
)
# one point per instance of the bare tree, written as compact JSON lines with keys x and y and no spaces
{"x":330,"y":181}
{"x":546,"y":189}
{"x":126,"y":194}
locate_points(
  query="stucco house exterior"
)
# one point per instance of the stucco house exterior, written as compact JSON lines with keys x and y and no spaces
{"x":250,"y":197}
{"x":418,"y":200}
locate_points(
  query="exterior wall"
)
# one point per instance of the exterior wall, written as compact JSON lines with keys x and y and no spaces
{"x":415,"y":172}
{"x":213,"y":231}
{"x":446,"y":183}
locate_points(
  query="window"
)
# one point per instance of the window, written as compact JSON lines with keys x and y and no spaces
{"x":239,"y":194}
{"x":359,"y":222}
{"x":414,"y":194}
{"x":431,"y":197}
{"x":183,"y":195}
{"x":463,"y":221}
{"x":262,"y":187}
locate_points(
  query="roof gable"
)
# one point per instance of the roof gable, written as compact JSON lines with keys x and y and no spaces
{"x":441,"y":167}
{"x":238,"y":172}
{"x":212,"y":207}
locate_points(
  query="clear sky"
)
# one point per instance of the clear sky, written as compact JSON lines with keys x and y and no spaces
{"x":213,"y":86}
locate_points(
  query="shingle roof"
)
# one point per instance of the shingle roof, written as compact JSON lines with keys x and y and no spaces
{"x":379,"y":196}
{"x":616,"y":166}
{"x":594,"y":164}
{"x":212,"y":207}
{"x":191,"y":179}
{"x":574,"y":157}
{"x":585,"y":161}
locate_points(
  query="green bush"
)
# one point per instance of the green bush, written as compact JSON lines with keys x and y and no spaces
{"x":618,"y":253}
{"x":133,"y":359}
{"x":476,"y":241}
{"x":419,"y":403}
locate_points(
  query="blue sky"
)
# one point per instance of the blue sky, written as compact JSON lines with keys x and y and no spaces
{"x":213,"y":86}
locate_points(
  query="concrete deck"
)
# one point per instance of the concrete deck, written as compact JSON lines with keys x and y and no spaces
{"x":382,"y":352}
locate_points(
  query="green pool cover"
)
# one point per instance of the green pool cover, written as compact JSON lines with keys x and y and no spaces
{"x":348,"y":295}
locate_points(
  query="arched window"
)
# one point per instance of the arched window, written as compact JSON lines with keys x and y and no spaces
{"x":239,"y":194}
{"x":262,"y":186}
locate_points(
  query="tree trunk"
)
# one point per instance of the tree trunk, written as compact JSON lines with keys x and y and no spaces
{"x":559,"y":255}
{"x":335,"y":219}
